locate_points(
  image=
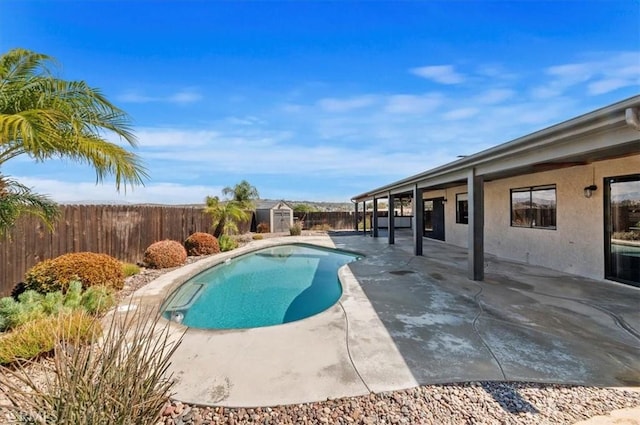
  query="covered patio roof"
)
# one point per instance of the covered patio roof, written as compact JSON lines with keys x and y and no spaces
{"x":605,"y":133}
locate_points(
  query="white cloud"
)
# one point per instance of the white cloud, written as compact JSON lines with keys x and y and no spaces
{"x":606,"y":85}
{"x":80,"y":191}
{"x":493,"y":96}
{"x":346,"y":104}
{"x":443,"y":74}
{"x":181,"y":97}
{"x":460,"y":114}
{"x":608,"y":72}
{"x":412,"y":104}
{"x":184,"y":97}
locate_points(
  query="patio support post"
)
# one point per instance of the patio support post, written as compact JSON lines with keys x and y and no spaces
{"x":364,"y":218}
{"x":418,"y":220}
{"x":374,"y":221}
{"x":391,"y":226}
{"x":475,"y":189}
{"x":355,"y":219}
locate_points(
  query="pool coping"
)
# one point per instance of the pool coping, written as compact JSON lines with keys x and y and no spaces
{"x":342,"y":351}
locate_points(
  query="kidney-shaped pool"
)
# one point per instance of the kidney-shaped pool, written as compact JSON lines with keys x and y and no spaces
{"x":271,"y":286}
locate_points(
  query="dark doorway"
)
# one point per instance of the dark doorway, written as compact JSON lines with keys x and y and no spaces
{"x":434,"y":218}
{"x":622,"y":229}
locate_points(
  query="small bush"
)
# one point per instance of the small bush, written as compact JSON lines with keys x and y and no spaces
{"x":38,"y":337}
{"x":263,"y":228}
{"x":32,"y":305}
{"x":97,"y":300}
{"x":130,"y":269}
{"x":15,"y":313}
{"x":125,"y":381}
{"x":295,"y":230}
{"x":322,"y":227}
{"x":227,"y":243}
{"x":201,"y":243}
{"x":87,"y":267}
{"x":164,"y":254}
{"x":257,"y":237}
{"x":626,"y":236}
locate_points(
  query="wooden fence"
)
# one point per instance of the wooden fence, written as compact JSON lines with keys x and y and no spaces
{"x":122,"y":231}
{"x":335,"y":220}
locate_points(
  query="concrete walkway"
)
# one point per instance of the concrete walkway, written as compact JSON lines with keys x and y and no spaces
{"x":404,"y":320}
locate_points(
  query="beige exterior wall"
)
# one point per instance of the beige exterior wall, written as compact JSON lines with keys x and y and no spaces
{"x":577,"y":244}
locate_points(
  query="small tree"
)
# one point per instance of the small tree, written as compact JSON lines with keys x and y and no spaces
{"x":225,"y":215}
{"x":243,"y":193}
{"x":304,"y":208}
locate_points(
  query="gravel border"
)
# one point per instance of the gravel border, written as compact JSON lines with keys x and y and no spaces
{"x":466,"y":403}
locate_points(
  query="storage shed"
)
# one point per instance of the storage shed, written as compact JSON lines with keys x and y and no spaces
{"x":277,"y":214}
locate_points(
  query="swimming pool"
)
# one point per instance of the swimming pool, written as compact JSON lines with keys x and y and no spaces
{"x":271,"y":286}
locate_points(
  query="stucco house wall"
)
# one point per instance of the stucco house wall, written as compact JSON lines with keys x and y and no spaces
{"x":576,"y":245}
{"x":455,"y":233}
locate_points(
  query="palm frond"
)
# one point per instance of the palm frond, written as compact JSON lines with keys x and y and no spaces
{"x":44,"y":117}
{"x":17,"y":199}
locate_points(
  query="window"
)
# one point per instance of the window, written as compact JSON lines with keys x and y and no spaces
{"x":462,"y":208}
{"x":534,"y":207}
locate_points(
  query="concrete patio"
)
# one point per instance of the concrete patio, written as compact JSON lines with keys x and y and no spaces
{"x":404,"y":320}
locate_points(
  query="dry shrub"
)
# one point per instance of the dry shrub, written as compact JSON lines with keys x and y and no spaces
{"x":262,"y":228}
{"x":121,"y":380}
{"x":200,"y":243}
{"x":164,"y":254}
{"x":90,"y":268}
{"x":38,"y":337}
{"x":295,"y":230}
{"x":257,"y":237}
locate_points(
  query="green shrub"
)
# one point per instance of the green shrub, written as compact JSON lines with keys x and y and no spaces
{"x":97,"y":299}
{"x":262,"y":228}
{"x":130,"y":269}
{"x":227,"y":243}
{"x":201,"y":243}
{"x":295,"y":230}
{"x":123,"y":382}
{"x":40,"y":336}
{"x":15,"y":313}
{"x":87,"y":267}
{"x":257,"y":237}
{"x":164,"y":254}
{"x":32,"y":305}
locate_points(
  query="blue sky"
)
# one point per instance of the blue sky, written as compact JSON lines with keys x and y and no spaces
{"x":321,"y":100}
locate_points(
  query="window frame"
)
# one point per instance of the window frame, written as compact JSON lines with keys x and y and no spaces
{"x":460,"y":218}
{"x":530,"y":222}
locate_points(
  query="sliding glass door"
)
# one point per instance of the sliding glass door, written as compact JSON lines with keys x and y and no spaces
{"x":622,"y":229}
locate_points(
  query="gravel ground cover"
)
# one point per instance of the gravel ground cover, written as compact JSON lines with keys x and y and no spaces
{"x":461,"y":403}
{"x":467,"y":403}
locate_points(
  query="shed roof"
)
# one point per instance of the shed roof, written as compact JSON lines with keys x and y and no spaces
{"x":268,"y":204}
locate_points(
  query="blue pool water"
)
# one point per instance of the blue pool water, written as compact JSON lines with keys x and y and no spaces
{"x":267,"y":287}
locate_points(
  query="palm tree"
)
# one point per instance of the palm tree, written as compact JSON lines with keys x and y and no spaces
{"x":45,"y":117}
{"x":225,"y":215}
{"x":243,"y":193}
